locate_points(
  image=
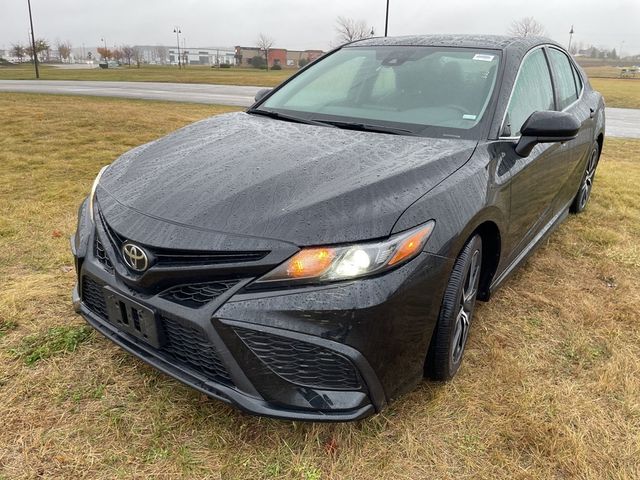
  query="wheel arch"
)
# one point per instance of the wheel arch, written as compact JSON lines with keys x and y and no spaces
{"x":492,"y":239}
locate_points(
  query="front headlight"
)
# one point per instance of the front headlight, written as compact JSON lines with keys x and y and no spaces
{"x":92,"y":194}
{"x":329,"y":264}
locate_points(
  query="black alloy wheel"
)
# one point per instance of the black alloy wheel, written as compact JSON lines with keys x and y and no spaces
{"x":454,"y":322}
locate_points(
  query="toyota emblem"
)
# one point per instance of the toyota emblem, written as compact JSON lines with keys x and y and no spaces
{"x":135,"y":257}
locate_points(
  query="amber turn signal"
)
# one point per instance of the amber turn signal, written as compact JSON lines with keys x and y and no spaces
{"x":411,"y":245}
{"x":311,"y":262}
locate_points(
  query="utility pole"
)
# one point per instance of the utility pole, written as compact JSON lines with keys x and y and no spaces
{"x":386,"y":20}
{"x":177,"y":31}
{"x":570,"y":38}
{"x":33,"y":42}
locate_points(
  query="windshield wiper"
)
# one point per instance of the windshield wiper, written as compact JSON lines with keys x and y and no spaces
{"x":367,"y":127}
{"x":285,"y":117}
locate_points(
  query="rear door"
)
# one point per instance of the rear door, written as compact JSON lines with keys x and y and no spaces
{"x":569,"y":90}
{"x":536,"y":179}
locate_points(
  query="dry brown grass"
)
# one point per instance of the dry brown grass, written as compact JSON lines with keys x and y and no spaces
{"x":619,"y":92}
{"x":550,"y":387}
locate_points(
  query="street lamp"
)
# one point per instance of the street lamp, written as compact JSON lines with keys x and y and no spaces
{"x":177,"y":31}
{"x":106,"y":50}
{"x":33,"y":42}
{"x":570,"y":37}
{"x":386,"y":20}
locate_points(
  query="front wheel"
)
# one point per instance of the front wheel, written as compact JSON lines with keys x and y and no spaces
{"x":584,"y":193}
{"x":454,"y":321}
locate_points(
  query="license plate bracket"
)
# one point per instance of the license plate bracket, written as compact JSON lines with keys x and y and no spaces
{"x":133,"y":318}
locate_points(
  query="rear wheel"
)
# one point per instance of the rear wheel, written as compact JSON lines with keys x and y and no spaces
{"x":584,"y":193}
{"x":454,"y":321}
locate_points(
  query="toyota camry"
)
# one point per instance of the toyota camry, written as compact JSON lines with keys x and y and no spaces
{"x":320,"y":253}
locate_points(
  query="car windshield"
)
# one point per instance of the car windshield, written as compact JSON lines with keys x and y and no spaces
{"x":429,"y":91}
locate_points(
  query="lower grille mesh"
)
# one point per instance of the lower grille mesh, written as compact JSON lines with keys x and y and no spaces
{"x":93,"y":297}
{"x":185,"y":345}
{"x":189,"y":345}
{"x":300,"y":362}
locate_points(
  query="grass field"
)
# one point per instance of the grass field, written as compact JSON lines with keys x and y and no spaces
{"x":153,"y":73}
{"x":618,"y":92}
{"x":550,"y":387}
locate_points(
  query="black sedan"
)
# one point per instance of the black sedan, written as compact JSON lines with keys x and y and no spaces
{"x":316,"y":256}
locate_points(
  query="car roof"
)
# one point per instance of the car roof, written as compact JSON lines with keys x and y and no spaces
{"x":493,"y":42}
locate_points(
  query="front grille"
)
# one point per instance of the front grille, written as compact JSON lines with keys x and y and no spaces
{"x":190,"y":346}
{"x":102,"y":257}
{"x":197,"y":294}
{"x":172,"y":258}
{"x":176,"y":258}
{"x":300,"y":362}
{"x":93,"y":297}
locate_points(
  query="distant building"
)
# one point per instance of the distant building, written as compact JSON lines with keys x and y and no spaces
{"x":277,"y":56}
{"x":202,"y":56}
{"x":153,"y":54}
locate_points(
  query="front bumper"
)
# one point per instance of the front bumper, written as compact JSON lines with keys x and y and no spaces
{"x":331,"y":353}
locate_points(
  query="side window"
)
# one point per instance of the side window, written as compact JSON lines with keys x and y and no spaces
{"x":564,"y":77}
{"x":532,"y":92}
{"x":578,"y":79}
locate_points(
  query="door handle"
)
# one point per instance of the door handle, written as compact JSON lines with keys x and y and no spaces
{"x":592,"y":113}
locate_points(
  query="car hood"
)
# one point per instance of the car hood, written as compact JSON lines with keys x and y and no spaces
{"x":252,"y":176}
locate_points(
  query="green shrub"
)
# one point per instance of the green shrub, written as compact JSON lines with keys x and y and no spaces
{"x":258,"y":62}
{"x":276,"y":66}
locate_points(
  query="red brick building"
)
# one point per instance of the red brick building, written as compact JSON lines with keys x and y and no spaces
{"x":277,"y":56}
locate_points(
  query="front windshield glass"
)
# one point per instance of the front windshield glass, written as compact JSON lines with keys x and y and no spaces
{"x":426,"y":90}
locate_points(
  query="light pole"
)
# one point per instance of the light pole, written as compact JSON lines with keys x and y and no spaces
{"x":33,"y":42}
{"x":570,"y":37}
{"x":386,"y":20}
{"x":177,"y":31}
{"x":105,"y":49}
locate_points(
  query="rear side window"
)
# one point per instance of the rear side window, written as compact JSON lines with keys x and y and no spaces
{"x":564,"y":77}
{"x":531,"y":93}
{"x":578,"y":79}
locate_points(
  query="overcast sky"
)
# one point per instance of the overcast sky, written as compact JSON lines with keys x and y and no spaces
{"x":307,"y":24}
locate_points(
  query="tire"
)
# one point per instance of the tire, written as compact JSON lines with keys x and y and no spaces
{"x":454,"y":321}
{"x":586,"y":184}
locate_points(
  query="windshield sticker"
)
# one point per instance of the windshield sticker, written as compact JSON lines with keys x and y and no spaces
{"x":469,"y":117}
{"x":483,"y":57}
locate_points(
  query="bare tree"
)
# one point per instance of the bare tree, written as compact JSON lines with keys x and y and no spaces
{"x":137,"y":56}
{"x":265,"y":43}
{"x":117,"y":55}
{"x":42,"y":47}
{"x":19,"y":51}
{"x":128,"y":53}
{"x":64,"y":50}
{"x":350,"y":30}
{"x":104,"y":53}
{"x":526,"y":27}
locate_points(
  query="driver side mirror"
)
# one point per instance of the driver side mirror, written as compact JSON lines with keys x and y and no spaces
{"x":262,"y":93}
{"x":545,"y":127}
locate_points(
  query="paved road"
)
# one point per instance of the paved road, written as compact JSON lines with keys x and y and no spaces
{"x":621,"y":122}
{"x":178,"y":92}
